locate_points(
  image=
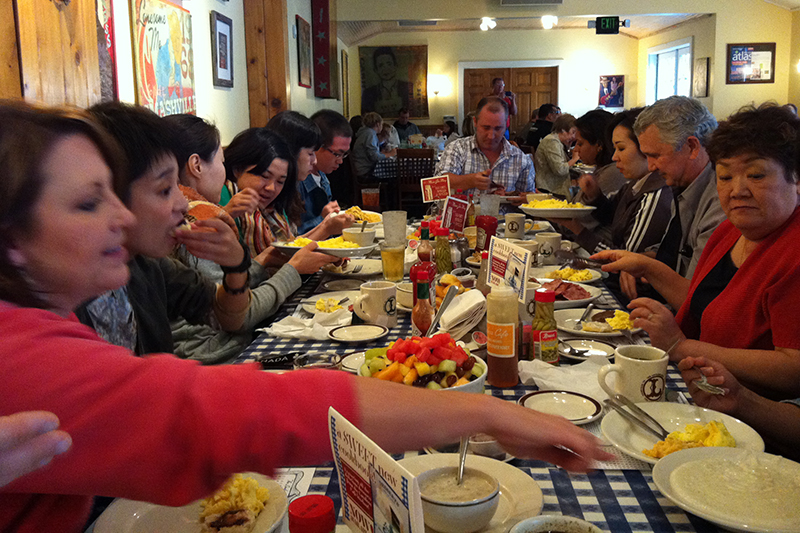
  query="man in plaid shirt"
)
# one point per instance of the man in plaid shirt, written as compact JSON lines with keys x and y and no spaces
{"x":487,"y":161}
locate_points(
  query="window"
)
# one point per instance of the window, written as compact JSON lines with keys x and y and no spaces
{"x":669,"y":70}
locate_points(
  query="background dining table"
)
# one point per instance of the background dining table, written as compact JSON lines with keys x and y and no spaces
{"x":618,"y":496}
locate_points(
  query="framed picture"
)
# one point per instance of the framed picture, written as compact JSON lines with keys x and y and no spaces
{"x":700,"y":78}
{"x":393,"y":77}
{"x":303,"y":51}
{"x":750,"y":63}
{"x":345,"y":84}
{"x":612,"y":91}
{"x":163,"y":64}
{"x":222,"y":49}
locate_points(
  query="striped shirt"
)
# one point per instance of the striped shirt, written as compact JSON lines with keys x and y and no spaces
{"x":512,"y":170}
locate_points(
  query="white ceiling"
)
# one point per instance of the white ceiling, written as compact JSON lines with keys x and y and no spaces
{"x":355,"y":32}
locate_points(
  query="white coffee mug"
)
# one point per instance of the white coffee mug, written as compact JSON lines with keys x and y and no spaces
{"x":549,"y":242}
{"x":515,"y":226}
{"x":641,"y":373}
{"x":377,"y":303}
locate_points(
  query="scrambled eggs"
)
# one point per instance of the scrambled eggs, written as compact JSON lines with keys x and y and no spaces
{"x":620,"y":320}
{"x":695,"y":435}
{"x":571,"y":274}
{"x":238,"y":494}
{"x":552,"y":203}
{"x":360,"y":215}
{"x":328,"y":305}
{"x":338,"y":242}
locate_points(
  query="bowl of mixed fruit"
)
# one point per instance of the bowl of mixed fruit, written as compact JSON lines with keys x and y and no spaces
{"x":432,"y":362}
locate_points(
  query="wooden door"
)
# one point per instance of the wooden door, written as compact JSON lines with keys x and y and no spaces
{"x":58,"y":52}
{"x":533,"y":86}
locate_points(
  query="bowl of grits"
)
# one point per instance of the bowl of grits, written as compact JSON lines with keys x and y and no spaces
{"x":451,"y":508}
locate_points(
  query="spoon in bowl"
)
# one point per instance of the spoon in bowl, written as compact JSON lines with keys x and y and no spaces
{"x":462,"y":459}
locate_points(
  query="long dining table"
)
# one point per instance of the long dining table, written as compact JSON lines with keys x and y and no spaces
{"x":618,"y":496}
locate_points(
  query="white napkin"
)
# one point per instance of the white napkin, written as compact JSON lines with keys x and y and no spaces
{"x":462,"y":308}
{"x":580,"y":378}
{"x":317,"y":328}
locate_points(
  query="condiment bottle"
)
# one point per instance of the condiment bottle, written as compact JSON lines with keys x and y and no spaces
{"x":487,"y":228}
{"x":444,"y":260}
{"x":470,"y":212}
{"x":482,"y":284}
{"x":544,"y":338}
{"x":463,"y":248}
{"x":424,"y":250}
{"x":502,"y":320}
{"x":312,"y":514}
{"x":422,"y":314}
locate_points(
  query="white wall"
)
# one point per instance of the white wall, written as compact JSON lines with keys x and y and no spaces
{"x":302,"y":99}
{"x":227,"y":108}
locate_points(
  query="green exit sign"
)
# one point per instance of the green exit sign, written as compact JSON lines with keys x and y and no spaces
{"x":607,"y":25}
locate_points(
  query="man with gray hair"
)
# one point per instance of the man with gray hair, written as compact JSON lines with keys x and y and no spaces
{"x":672,"y":134}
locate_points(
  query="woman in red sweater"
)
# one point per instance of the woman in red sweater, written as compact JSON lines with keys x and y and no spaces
{"x":162,"y":429}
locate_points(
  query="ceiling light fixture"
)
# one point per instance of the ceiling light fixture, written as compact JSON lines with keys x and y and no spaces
{"x":548,"y":21}
{"x":487,"y":24}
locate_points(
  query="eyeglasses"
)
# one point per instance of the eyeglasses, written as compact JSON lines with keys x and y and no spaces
{"x":338,"y":155}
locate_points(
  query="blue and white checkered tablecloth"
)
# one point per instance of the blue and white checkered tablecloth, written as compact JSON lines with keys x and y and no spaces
{"x":616,"y":500}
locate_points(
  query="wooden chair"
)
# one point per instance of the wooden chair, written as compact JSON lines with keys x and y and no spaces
{"x":413,"y":164}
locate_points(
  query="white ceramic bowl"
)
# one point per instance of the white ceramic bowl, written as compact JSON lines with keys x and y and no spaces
{"x":459,"y":517}
{"x":475,"y":386}
{"x":405,"y":294}
{"x":361,"y":238}
{"x":562,"y":524}
{"x":486,"y":445}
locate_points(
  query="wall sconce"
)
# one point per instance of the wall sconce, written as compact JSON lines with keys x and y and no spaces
{"x":798,"y":66}
{"x":487,"y":24}
{"x":439,"y":85}
{"x":548,"y":21}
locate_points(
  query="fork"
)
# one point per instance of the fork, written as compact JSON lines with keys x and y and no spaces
{"x":703,"y":384}
{"x":357,"y":269}
{"x":627,"y":334}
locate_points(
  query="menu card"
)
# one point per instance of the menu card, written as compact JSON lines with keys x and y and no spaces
{"x":378,"y":495}
{"x":455,"y":214}
{"x":508,"y":265}
{"x":435,"y":188}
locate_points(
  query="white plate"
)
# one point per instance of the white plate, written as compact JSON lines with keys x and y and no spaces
{"x":531,"y":226}
{"x":336,"y":252}
{"x":701,"y":504}
{"x":575,"y":407}
{"x":566,"y":319}
{"x":129,"y":516}
{"x":520,"y":496}
{"x":352,"y":363}
{"x":594,"y":293}
{"x":369,"y":267}
{"x":403,"y":308}
{"x":558,"y":212}
{"x":358,"y":222}
{"x":544,"y":272}
{"x":595,"y":348}
{"x":343,"y":284}
{"x":309,"y":306}
{"x":630,"y":439}
{"x":473,"y":263}
{"x":358,"y":333}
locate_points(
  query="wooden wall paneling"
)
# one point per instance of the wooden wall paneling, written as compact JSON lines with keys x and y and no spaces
{"x":58,"y":52}
{"x":10,"y":80}
{"x":266,"y":42}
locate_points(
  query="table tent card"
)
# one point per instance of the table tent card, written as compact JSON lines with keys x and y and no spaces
{"x":435,"y":188}
{"x":455,"y":214}
{"x":377,"y":493}
{"x":508,"y":265}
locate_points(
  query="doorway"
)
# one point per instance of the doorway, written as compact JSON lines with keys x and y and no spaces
{"x":533,"y":86}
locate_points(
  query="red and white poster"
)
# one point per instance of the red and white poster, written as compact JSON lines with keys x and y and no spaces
{"x":455,"y":214}
{"x":435,"y":188}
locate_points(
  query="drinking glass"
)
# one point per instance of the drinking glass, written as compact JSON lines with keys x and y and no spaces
{"x":393,"y":259}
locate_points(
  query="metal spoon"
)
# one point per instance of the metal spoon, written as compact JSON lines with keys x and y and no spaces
{"x":571,"y":350}
{"x":579,"y":324}
{"x":363,"y":226}
{"x":462,"y":459}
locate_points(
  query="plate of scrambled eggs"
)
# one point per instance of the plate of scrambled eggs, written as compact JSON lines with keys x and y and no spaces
{"x":129,"y":516}
{"x":552,"y":208}
{"x":686,"y":423}
{"x":611,"y":327}
{"x":586,"y":275}
{"x":327,"y":301}
{"x":337,"y":247}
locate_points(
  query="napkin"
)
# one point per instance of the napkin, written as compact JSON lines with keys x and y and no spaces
{"x":464,"y":312}
{"x":580,"y":378}
{"x":316,"y":328}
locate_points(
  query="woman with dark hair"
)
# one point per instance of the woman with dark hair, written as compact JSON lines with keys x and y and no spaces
{"x":450,"y":132}
{"x":741,"y":305}
{"x":593,"y":145}
{"x":161,"y":429}
{"x":304,"y":138}
{"x":637,"y":214}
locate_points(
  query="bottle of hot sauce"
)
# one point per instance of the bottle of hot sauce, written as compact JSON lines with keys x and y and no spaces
{"x":422,"y":314}
{"x":502,"y":321}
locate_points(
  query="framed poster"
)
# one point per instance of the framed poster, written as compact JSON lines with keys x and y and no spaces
{"x":222,"y":49}
{"x":700,"y":78}
{"x":108,"y":62}
{"x":303,"y":51}
{"x":750,"y":63}
{"x":394,"y":77}
{"x":163,"y":65}
{"x":345,"y":84}
{"x":612,"y":91}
